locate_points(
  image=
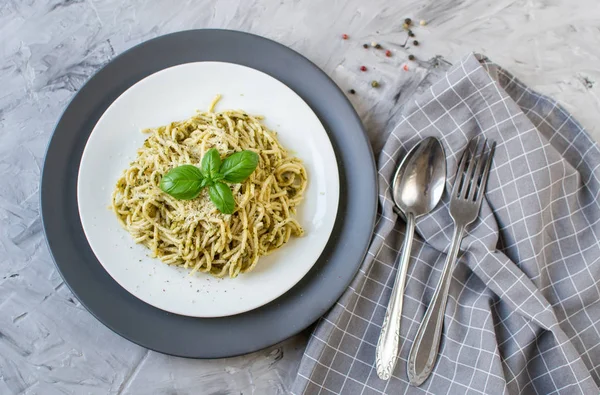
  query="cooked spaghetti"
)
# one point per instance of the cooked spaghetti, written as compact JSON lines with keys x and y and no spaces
{"x":193,"y":233}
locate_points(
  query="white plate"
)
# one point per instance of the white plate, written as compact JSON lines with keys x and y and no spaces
{"x":174,"y":94}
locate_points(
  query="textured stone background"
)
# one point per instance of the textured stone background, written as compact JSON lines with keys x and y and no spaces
{"x":49,"y":344}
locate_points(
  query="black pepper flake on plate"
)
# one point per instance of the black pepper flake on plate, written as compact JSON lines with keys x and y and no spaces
{"x":411,"y":57}
{"x":365,"y":45}
{"x":410,"y":33}
{"x":378,"y":46}
{"x":415,"y":42}
{"x":408,"y":21}
{"x":352,"y":91}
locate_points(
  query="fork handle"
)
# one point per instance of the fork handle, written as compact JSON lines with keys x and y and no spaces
{"x":424,"y":351}
{"x":387,"y":347}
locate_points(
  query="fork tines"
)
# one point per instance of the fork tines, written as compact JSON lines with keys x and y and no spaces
{"x":470,"y":183}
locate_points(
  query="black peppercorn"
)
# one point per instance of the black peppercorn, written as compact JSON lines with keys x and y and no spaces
{"x":415,"y":42}
{"x":352,"y":91}
{"x":411,"y":57}
{"x":408,"y":21}
{"x":365,"y":45}
{"x":378,"y":46}
{"x":410,"y":33}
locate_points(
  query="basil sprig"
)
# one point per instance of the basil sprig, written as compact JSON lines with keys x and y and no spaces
{"x":185,"y":182}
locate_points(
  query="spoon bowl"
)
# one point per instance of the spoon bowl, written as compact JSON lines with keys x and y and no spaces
{"x":419,"y":181}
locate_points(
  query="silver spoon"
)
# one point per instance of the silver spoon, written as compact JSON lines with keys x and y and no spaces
{"x":417,"y":188}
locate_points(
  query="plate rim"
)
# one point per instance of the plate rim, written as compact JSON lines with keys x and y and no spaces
{"x":362,"y":136}
{"x":110,"y":270}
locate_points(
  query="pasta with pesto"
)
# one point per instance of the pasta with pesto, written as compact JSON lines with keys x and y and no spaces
{"x":193,"y":233}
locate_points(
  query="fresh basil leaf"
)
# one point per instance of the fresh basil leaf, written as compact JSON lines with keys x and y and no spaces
{"x":182,"y":182}
{"x":211,"y":162}
{"x":237,"y":167}
{"x":221,"y":196}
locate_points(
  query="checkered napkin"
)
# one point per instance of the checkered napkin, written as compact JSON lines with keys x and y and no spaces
{"x":523,"y":315}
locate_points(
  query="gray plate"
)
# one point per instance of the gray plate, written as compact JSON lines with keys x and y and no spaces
{"x":209,"y":337}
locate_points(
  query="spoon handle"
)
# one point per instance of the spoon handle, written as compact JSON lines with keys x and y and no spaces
{"x":387,"y":346}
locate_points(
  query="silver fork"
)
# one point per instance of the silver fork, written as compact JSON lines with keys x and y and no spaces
{"x":465,"y":203}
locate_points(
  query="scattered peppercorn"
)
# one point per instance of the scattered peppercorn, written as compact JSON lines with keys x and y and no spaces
{"x":415,"y":42}
{"x":422,"y":23}
{"x":352,"y":91}
{"x":408,"y":21}
{"x":378,"y":46}
{"x":388,"y":53}
{"x":365,"y":45}
{"x":373,"y":44}
{"x":410,"y":33}
{"x":345,"y":36}
{"x":405,"y":26}
{"x":374,"y":84}
{"x":411,"y":57}
{"x":363,"y":68}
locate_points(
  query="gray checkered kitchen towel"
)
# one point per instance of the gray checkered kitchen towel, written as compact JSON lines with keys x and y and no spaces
{"x":523,"y":315}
